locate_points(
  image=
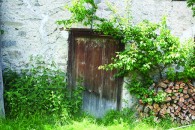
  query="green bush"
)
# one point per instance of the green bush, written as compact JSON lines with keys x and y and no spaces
{"x":150,"y":47}
{"x":188,"y":64}
{"x":40,"y":89}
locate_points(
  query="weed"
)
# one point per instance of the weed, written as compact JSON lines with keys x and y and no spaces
{"x":40,"y":89}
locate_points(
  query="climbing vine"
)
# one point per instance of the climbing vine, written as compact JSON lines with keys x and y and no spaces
{"x":150,"y":47}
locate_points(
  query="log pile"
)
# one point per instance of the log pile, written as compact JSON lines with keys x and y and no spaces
{"x":179,"y":102}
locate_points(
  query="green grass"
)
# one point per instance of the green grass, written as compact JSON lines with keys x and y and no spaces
{"x":113,"y":121}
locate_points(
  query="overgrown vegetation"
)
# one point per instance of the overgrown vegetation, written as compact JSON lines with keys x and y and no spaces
{"x":151,"y":49}
{"x":123,"y":120}
{"x":38,"y":97}
{"x":40,"y":89}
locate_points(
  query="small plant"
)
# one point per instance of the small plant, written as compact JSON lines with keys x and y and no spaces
{"x":164,"y":123}
{"x":82,"y":11}
{"x":116,"y":117}
{"x":40,"y":89}
{"x":180,"y":90}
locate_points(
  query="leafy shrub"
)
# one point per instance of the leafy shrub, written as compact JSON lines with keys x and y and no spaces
{"x":188,"y":64}
{"x":40,"y":89}
{"x":150,"y":47}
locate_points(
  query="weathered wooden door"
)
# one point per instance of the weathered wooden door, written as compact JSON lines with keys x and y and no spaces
{"x":87,"y":51}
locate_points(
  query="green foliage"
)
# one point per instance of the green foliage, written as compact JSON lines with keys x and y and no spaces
{"x":191,"y":4}
{"x":37,"y":122}
{"x":139,"y":88}
{"x":187,"y":62}
{"x":147,"y":54}
{"x":150,"y":48}
{"x":1,"y":32}
{"x":148,"y":51}
{"x":114,"y":117}
{"x":164,"y":123}
{"x":171,"y":75}
{"x":40,"y":89}
{"x":114,"y":120}
{"x":82,"y":11}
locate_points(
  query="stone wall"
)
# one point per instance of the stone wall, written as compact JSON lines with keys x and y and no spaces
{"x":30,"y":29}
{"x":179,"y":17}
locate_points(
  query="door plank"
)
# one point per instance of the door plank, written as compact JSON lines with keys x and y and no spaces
{"x":89,"y":51}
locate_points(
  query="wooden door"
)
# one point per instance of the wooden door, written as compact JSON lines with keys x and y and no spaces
{"x":87,"y":51}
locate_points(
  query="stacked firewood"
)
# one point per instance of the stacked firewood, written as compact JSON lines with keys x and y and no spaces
{"x":179,"y":102}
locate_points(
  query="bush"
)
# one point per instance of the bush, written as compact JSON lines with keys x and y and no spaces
{"x":150,"y":48}
{"x":41,"y":89}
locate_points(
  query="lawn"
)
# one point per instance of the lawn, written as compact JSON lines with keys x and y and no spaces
{"x":109,"y":122}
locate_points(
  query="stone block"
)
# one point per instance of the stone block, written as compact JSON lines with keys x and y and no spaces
{"x":8,"y":43}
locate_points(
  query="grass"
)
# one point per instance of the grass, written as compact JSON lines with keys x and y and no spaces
{"x":112,"y":121}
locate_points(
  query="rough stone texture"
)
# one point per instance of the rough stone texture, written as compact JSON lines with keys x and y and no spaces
{"x":30,"y":27}
{"x":179,"y":16}
{"x":127,"y":100}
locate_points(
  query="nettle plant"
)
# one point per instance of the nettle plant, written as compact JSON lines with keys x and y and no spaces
{"x":150,"y":47}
